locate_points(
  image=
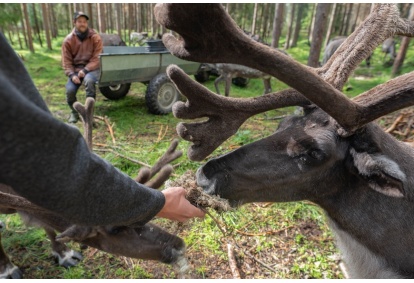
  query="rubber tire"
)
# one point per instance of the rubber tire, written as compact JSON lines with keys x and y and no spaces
{"x":161,"y":94}
{"x":115,"y":92}
{"x":242,"y":82}
{"x":202,"y":76}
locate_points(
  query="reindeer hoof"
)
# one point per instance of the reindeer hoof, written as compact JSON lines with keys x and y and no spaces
{"x":69,"y":258}
{"x":11,"y":272}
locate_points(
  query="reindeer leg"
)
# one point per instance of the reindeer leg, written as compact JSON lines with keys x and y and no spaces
{"x":216,"y":82}
{"x":267,"y":85}
{"x":65,"y":256}
{"x":228,"y":85}
{"x":7,"y":269}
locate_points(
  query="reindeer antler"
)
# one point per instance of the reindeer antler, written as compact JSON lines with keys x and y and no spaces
{"x":225,"y":114}
{"x":86,"y":113}
{"x":162,"y":167}
{"x":220,"y":40}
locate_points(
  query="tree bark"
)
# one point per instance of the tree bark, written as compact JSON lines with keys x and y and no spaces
{"x":277,"y":24}
{"x":321,"y":17}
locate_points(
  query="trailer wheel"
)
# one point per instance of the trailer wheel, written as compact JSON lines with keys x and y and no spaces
{"x":161,"y":95}
{"x":115,"y":92}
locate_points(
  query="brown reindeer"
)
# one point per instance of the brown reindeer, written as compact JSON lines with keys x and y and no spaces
{"x":333,"y":155}
{"x":144,"y":242}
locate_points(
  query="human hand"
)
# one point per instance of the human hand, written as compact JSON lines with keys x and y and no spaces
{"x":177,"y":207}
{"x":81,"y":74}
{"x":76,"y":80}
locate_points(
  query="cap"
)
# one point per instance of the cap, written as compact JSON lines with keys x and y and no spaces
{"x":79,"y":14}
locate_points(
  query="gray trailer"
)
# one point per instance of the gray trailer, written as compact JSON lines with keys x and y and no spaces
{"x":123,"y":65}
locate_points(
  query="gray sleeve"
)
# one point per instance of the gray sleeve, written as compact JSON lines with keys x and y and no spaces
{"x":49,"y":163}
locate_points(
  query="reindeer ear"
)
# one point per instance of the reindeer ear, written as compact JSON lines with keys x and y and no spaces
{"x":383,"y":174}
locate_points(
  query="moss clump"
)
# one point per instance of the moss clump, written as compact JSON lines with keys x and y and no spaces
{"x":196,"y":195}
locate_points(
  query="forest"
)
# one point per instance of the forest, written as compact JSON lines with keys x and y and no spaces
{"x":269,"y":240}
{"x":27,"y":23}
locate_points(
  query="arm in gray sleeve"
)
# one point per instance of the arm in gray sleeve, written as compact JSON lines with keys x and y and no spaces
{"x":49,"y":163}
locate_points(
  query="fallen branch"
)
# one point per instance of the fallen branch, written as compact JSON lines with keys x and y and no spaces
{"x":161,"y":136}
{"x":244,"y":252}
{"x":394,"y":125}
{"x":110,"y":128}
{"x":232,"y":261}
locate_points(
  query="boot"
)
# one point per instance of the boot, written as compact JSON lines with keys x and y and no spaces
{"x":74,"y":117}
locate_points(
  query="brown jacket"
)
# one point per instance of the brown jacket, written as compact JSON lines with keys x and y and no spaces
{"x":78,"y":55}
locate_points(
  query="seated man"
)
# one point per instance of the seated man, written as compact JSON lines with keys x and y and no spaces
{"x":80,"y":60}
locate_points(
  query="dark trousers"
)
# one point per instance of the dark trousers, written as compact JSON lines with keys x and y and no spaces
{"x":89,"y":81}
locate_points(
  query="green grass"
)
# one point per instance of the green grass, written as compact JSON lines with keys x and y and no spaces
{"x":293,"y":249}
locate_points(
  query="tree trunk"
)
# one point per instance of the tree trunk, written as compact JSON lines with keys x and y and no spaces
{"x":312,"y":24}
{"x":118,"y":8}
{"x":70,"y":20}
{"x":277,"y":24}
{"x":356,"y":18}
{"x":130,"y":22}
{"x":27,"y":27}
{"x":126,"y":33}
{"x":254,"y":18}
{"x":291,"y":23}
{"x":18,"y":36}
{"x":399,"y":60}
{"x":348,"y":18}
{"x":321,"y":17}
{"x":298,"y":25}
{"x":10,"y":36}
{"x":46,"y":25}
{"x":90,"y":14}
{"x":37,"y":28}
{"x":101,"y":18}
{"x":53,"y":20}
{"x":330,"y":26}
{"x":265,"y":20}
{"x":345,"y":12}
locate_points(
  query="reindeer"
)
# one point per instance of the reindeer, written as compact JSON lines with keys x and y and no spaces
{"x":111,"y":40}
{"x":388,"y":48}
{"x":144,"y":242}
{"x":138,"y":38}
{"x":333,"y":45}
{"x":334,"y":155}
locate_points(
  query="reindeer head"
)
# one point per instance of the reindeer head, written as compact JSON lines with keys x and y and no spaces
{"x":302,"y":146}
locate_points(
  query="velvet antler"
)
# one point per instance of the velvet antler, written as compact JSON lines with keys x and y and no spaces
{"x":86,"y":113}
{"x":214,"y":37}
{"x":162,"y":167}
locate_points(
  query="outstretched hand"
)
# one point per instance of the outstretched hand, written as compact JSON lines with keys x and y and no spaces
{"x":177,"y":207}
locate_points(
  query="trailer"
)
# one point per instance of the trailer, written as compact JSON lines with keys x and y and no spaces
{"x":123,"y":65}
